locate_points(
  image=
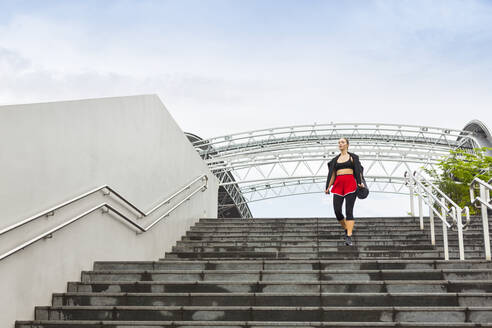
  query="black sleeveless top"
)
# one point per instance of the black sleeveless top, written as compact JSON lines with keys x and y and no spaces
{"x":345,"y":165}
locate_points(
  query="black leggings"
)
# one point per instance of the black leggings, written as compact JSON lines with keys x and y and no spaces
{"x":349,"y":205}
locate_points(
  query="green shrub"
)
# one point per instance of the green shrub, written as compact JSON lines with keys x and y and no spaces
{"x":455,"y":173}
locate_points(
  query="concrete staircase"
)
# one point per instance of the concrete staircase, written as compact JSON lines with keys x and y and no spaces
{"x":286,"y":273}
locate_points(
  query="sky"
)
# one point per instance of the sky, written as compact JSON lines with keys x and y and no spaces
{"x":222,"y":67}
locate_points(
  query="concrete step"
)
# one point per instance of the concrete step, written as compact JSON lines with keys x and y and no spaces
{"x":290,"y":265}
{"x":313,"y":229}
{"x":287,"y":275}
{"x":348,"y":286}
{"x":326,"y":235}
{"x":320,"y":238}
{"x":330,"y":222}
{"x":321,"y":246}
{"x":234,"y":324}
{"x":272,"y":313}
{"x":334,"y":223}
{"x":324,"y":220}
{"x":341,"y":254}
{"x":475,"y":223}
{"x":310,"y":238}
{"x":307,"y":219}
{"x":335,"y":240}
{"x":303,"y":229}
{"x":296,"y":249}
{"x":438,"y":230}
{"x":287,"y":242}
{"x":395,"y":230}
{"x":273,"y":299}
{"x":296,"y":256}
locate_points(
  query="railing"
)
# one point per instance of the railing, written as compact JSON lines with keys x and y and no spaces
{"x":106,"y":208}
{"x":483,"y":201}
{"x":426,"y":192}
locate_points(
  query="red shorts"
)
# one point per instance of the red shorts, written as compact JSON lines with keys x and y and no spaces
{"x":344,"y":184}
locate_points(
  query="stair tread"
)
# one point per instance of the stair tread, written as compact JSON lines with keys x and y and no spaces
{"x":287,"y":271}
{"x":317,"y":282}
{"x":256,"y":323}
{"x":263,"y":308}
{"x":449,"y":294}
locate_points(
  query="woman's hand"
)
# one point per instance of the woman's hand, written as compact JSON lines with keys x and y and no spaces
{"x":327,"y":191}
{"x":361,"y":185}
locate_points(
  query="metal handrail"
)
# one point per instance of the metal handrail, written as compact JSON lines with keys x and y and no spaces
{"x":434,"y":199}
{"x":425,"y":193}
{"x":106,"y":208}
{"x":475,"y":200}
{"x":446,"y":197}
{"x":51,"y":211}
{"x":450,"y":201}
{"x":484,"y":201}
{"x":481,"y":182}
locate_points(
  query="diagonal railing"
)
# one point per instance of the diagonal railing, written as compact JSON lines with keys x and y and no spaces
{"x":483,"y":201}
{"x":106,"y":207}
{"x":430,"y":194}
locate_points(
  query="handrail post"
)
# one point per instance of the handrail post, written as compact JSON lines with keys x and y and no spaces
{"x":459,"y":223}
{"x":485,"y":196}
{"x":444,"y":231}
{"x":472,"y":193}
{"x":421,"y":212}
{"x":431,"y":221}
{"x":412,"y":206}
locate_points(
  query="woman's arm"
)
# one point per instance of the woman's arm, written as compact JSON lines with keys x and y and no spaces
{"x":330,"y":179}
{"x":329,"y":184}
{"x":360,"y":173}
{"x":357,"y":170}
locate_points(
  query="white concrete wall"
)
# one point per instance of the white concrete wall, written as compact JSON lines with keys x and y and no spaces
{"x":51,"y":152}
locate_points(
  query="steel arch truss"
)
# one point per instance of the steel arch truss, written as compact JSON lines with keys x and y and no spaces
{"x":293,"y":160}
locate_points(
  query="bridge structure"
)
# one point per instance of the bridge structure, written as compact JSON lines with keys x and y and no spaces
{"x":292,"y":160}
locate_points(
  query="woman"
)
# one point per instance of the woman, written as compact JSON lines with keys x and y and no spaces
{"x":344,"y":173}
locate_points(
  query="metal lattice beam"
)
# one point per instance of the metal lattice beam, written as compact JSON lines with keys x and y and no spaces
{"x":292,"y":160}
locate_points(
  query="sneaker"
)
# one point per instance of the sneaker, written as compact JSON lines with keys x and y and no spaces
{"x":348,"y":241}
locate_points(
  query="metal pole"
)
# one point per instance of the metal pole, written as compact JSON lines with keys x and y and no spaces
{"x":431,"y":221}
{"x":412,"y":206}
{"x":444,"y":231}
{"x":484,"y":195}
{"x":459,"y":222}
{"x":421,"y":212}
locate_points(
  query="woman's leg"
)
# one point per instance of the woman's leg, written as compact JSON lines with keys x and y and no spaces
{"x":337,"y":206}
{"x":349,"y":211}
